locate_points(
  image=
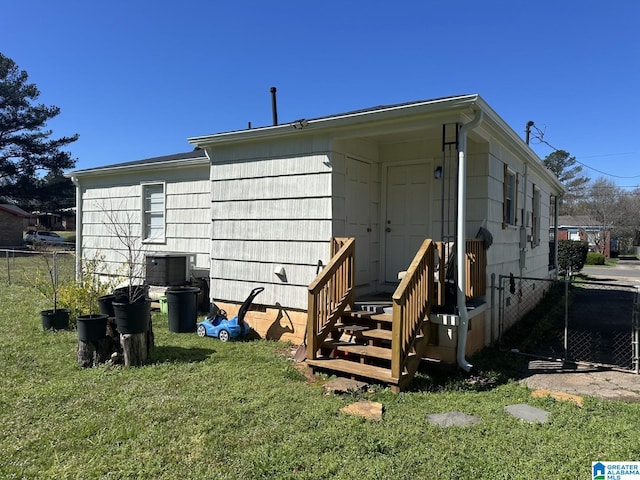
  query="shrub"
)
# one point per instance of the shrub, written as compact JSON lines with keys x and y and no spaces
{"x":572,"y":255}
{"x":594,"y":258}
{"x":81,"y":297}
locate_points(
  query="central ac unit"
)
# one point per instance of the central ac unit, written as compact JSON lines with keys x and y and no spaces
{"x":167,"y":269}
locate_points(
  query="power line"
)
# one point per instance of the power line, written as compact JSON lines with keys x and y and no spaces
{"x":539,"y":135}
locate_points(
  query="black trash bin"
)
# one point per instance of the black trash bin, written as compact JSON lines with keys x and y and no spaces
{"x":182,"y":308}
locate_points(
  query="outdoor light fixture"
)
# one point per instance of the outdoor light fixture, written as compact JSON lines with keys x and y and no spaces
{"x":300,"y":124}
{"x":437,"y":173}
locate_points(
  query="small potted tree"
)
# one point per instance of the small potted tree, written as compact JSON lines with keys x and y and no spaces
{"x":92,"y":326}
{"x":49,"y":287}
{"x":131,"y":302}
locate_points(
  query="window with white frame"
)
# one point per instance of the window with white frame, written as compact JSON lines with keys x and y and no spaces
{"x":535,"y":218}
{"x":510,"y":207}
{"x":154,"y":215}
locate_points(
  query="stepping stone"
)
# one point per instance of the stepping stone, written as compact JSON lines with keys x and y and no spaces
{"x":364,"y":408}
{"x":562,"y":396}
{"x":527,"y":413}
{"x":344,"y":385}
{"x":453,"y":419}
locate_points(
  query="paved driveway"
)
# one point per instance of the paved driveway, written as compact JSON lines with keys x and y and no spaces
{"x":626,"y":271}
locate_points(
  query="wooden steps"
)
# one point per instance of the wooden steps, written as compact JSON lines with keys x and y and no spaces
{"x":379,"y":317}
{"x":377,"y":334}
{"x":357,"y":349}
{"x":360,"y":370}
{"x":367,"y":353}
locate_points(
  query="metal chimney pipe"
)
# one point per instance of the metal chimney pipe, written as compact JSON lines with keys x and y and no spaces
{"x":527,"y":130}
{"x":274,"y":106}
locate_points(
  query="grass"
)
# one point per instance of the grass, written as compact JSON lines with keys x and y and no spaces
{"x":203,"y":409}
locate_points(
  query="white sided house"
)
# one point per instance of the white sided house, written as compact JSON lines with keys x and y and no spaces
{"x":367,"y":205}
{"x":160,"y":206}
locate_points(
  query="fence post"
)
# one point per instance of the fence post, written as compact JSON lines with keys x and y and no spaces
{"x":493,"y":305}
{"x":8,"y":268}
{"x":566,"y":317}
{"x":635,"y":340}
{"x":500,"y":309}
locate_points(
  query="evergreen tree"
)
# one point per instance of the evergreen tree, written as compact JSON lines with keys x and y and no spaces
{"x":27,"y":152}
{"x":570,"y":175}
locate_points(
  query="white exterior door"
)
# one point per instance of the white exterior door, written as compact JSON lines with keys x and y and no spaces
{"x":358,"y":220}
{"x":406,"y":222}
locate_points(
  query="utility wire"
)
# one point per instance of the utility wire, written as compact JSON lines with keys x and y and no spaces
{"x":539,"y":135}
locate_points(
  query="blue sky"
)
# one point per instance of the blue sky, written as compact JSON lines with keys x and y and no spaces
{"x":136,"y":78}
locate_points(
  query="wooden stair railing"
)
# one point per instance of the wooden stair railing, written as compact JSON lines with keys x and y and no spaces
{"x":475,"y":264}
{"x":330,"y":293}
{"x":412,"y":303}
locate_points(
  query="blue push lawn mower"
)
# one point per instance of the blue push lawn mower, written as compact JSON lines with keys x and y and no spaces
{"x":218,"y":326}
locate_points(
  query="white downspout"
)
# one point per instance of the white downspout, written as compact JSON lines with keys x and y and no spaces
{"x":76,"y":182}
{"x":461,"y":270}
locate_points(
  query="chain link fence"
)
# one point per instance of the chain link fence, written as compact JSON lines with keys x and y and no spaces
{"x":592,"y":322}
{"x":33,"y":267}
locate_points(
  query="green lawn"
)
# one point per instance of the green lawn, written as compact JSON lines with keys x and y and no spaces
{"x":203,"y":409}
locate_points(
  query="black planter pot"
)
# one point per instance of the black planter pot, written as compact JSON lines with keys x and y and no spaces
{"x":105,"y":304}
{"x":92,"y":327}
{"x":132,"y":317}
{"x":55,"y":319}
{"x":138,"y":293}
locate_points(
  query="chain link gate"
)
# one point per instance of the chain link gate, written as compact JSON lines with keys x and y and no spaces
{"x":592,"y":322}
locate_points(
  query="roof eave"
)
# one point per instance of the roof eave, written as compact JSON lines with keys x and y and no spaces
{"x":137,"y":167}
{"x":334,"y":121}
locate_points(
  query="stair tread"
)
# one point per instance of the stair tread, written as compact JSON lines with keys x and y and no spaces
{"x":366,"y":350}
{"x":351,"y":327}
{"x":381,"y":317}
{"x":354,"y":368}
{"x":378,"y":333}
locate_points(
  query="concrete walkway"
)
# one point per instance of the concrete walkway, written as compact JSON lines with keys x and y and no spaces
{"x":580,"y":380}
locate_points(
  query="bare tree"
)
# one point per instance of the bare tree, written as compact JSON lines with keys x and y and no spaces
{"x":123,"y":225}
{"x":602,"y":206}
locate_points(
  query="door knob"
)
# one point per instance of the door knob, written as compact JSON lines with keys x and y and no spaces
{"x":388,"y":229}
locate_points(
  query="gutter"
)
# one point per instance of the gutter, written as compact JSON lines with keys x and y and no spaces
{"x":461,"y":271}
{"x":76,"y":182}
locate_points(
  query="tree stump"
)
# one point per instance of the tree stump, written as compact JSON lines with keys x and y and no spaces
{"x":95,"y":352}
{"x":136,"y":347}
{"x":132,"y":349}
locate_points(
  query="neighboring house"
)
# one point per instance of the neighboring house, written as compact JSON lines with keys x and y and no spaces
{"x":13,"y":221}
{"x":584,"y":229}
{"x":264,"y":203}
{"x":62,"y":220}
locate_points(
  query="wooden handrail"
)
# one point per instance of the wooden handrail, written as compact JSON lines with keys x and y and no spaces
{"x":330,"y":293}
{"x":412,"y":303}
{"x":476,"y":265}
